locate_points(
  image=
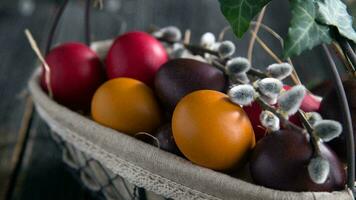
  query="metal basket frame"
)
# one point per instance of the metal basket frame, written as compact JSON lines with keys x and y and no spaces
{"x":79,"y":168}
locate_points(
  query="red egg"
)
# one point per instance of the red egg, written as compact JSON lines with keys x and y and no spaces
{"x":75,"y":73}
{"x":136,"y":55}
{"x":310,"y":104}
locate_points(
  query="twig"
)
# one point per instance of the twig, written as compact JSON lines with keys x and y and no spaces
{"x":187,"y":35}
{"x":149,"y":135}
{"x":219,"y":66}
{"x":255,"y":32}
{"x":222,"y":33}
{"x":252,"y":71}
{"x":313,"y":139}
{"x":36,"y":49}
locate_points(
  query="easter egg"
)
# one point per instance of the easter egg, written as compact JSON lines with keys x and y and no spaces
{"x":280,"y":161}
{"x":179,"y":77}
{"x":136,"y":55}
{"x":75,"y":74}
{"x":211,"y":131}
{"x":126,"y":105}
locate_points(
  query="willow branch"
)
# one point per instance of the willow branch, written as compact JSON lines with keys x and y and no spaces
{"x":310,"y":130}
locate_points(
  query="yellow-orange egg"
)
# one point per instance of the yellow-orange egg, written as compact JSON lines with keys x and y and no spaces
{"x":211,"y":131}
{"x":126,"y":105}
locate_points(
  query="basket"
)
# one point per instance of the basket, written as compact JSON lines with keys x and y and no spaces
{"x":121,"y":167}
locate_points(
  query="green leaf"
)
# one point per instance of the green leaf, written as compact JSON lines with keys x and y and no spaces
{"x":239,"y":13}
{"x":304,"y":32}
{"x":334,"y":13}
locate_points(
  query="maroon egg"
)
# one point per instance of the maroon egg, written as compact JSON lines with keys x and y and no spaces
{"x":280,"y":161}
{"x":330,"y":109}
{"x":75,"y":74}
{"x":179,"y":77}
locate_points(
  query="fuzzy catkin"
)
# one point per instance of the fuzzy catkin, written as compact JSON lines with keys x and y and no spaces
{"x":242,"y":94}
{"x":280,"y":70}
{"x":327,"y":129}
{"x":319,"y":169}
{"x":290,"y":101}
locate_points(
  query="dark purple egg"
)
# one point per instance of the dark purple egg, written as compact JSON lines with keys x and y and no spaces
{"x":179,"y":77}
{"x":280,"y":161}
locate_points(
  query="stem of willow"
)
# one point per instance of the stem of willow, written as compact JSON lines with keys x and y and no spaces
{"x":310,"y":130}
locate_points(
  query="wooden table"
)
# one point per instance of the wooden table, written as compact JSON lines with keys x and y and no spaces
{"x":30,"y":162}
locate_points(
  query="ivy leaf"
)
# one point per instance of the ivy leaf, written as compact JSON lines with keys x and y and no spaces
{"x":240,"y":13}
{"x":334,"y":13}
{"x":304,"y":32}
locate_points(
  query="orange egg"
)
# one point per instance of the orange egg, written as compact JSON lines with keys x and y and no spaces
{"x":126,"y":105}
{"x":211,"y":131}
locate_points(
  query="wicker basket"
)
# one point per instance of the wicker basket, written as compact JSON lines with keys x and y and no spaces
{"x":121,"y":167}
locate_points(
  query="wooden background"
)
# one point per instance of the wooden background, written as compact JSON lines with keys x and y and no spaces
{"x":37,"y":171}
